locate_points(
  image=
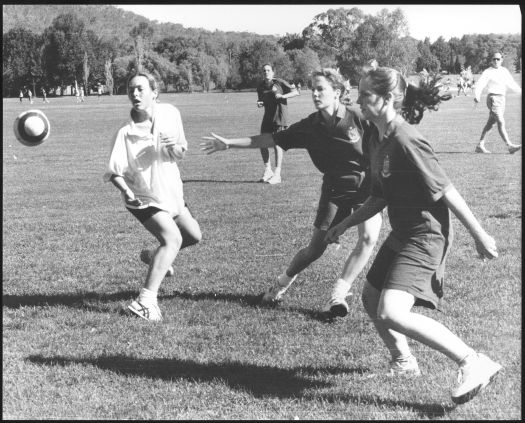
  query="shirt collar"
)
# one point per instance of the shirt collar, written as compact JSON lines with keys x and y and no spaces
{"x":340,"y":114}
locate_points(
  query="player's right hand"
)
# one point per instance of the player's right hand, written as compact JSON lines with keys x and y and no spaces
{"x":214,"y":143}
{"x":260,"y":104}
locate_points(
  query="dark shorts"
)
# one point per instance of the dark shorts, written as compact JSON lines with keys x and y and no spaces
{"x":417,"y":269}
{"x":144,"y":214}
{"x":335,"y":205}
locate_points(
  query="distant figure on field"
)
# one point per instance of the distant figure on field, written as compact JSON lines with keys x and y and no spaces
{"x":272,"y":94}
{"x":82,"y":93}
{"x":44,"y":95}
{"x":99,"y":90}
{"x":21,"y":96}
{"x":497,"y":79}
{"x":30,"y":96}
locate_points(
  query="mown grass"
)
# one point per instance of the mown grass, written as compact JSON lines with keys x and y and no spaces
{"x":70,"y":266}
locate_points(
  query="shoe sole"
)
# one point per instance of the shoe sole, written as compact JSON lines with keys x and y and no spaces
{"x":338,"y":310}
{"x":475,"y":391}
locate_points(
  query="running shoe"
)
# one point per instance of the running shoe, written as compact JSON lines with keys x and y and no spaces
{"x":473,"y":377}
{"x":148,"y":312}
{"x":268,"y":173}
{"x":481,"y":149}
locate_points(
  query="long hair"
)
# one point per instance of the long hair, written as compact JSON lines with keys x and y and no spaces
{"x":410,"y":100}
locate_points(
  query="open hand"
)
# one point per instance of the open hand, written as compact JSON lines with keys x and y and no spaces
{"x":486,"y":247}
{"x":214,"y":143}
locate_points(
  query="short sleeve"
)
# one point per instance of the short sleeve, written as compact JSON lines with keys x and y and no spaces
{"x":431,"y":174}
{"x":295,"y":136}
{"x":118,"y":160}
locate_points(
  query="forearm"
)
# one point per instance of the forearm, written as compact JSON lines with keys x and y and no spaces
{"x":370,"y":208}
{"x":459,"y":207}
{"x":119,"y":183}
{"x":256,"y":141}
{"x":293,"y":93}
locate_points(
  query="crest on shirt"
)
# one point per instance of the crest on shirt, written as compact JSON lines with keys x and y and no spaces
{"x":385,"y":171}
{"x":353,"y":134}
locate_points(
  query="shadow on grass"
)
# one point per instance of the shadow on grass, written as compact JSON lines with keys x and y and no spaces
{"x":424,"y":410}
{"x":251,"y":300}
{"x":260,"y":381}
{"x":101,"y":302}
{"x":77,"y":300}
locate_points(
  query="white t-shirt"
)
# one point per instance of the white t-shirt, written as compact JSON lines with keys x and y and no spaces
{"x":139,"y":156}
{"x":497,"y":81}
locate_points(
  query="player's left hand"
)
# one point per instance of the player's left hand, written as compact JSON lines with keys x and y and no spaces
{"x":214,"y":143}
{"x":486,"y":247}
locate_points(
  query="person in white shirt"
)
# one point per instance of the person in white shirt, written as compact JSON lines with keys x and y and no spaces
{"x":497,"y":79}
{"x":143,"y":167}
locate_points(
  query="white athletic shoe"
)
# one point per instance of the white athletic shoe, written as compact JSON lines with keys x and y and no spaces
{"x":149,"y":312}
{"x":336,"y":307}
{"x":275,"y":179}
{"x":145,"y":257}
{"x":473,"y":377}
{"x":406,"y":367}
{"x":268,"y":173}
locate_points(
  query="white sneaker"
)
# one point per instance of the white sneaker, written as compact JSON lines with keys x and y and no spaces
{"x":149,"y":312}
{"x":275,"y":179}
{"x":405,"y":367}
{"x":473,"y":377}
{"x":145,"y":257}
{"x":336,"y":307}
{"x":268,"y":173}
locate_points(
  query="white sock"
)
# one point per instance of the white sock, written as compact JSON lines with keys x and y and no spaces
{"x":277,"y":171}
{"x":147,"y":296}
{"x":341,"y":288}
{"x":285,"y":280}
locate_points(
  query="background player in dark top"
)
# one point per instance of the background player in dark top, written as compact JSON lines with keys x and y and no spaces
{"x":273,"y":94}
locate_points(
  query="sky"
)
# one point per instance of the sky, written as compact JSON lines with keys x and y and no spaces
{"x":425,"y":20}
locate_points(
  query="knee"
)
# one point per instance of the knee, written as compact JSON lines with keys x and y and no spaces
{"x":369,"y":239}
{"x":388,"y":315}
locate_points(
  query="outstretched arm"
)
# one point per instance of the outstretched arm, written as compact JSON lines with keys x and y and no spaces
{"x":218,"y":143}
{"x":485,"y":244}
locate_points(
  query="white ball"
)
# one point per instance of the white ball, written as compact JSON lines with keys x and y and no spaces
{"x":34,"y":126}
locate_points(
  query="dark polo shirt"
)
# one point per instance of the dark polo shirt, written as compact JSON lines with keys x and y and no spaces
{"x":336,"y":149}
{"x":406,"y":173}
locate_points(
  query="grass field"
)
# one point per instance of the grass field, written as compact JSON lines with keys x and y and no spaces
{"x":70,"y":267}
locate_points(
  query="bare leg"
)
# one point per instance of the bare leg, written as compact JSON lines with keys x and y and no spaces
{"x":394,"y":312}
{"x":306,"y":256}
{"x":278,"y":160}
{"x":395,"y":342}
{"x":164,"y":228}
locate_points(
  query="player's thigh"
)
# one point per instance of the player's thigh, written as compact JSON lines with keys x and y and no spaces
{"x":188,"y":225}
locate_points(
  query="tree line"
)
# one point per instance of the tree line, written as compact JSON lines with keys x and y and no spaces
{"x":67,"y":51}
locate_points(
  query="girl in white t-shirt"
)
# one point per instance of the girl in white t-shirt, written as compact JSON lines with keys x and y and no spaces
{"x":143,"y":166}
